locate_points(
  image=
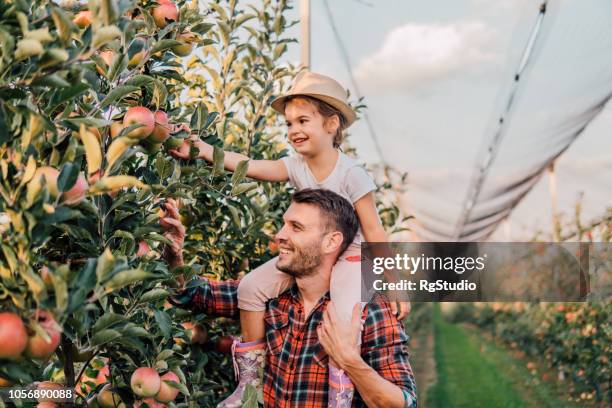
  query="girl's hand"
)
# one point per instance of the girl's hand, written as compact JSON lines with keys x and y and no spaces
{"x":183,"y":151}
{"x":402,"y":311}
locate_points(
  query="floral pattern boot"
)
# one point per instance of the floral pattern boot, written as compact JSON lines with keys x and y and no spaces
{"x":341,"y":389}
{"x":249,"y":359}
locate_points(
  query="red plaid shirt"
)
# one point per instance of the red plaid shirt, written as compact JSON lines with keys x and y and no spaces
{"x":296,"y":372}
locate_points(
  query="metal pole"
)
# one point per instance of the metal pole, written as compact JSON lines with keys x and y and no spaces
{"x":552,"y":187}
{"x":305,"y":31}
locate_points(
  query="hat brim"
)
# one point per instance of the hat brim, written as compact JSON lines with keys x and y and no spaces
{"x":278,"y":105}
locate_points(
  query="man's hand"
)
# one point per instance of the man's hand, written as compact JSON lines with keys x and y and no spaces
{"x":340,"y":339}
{"x":175,"y":232}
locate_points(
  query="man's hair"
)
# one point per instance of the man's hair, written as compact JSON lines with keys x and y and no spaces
{"x":338,"y":211}
{"x":327,"y":111}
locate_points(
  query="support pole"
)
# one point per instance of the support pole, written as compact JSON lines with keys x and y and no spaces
{"x":305,"y":33}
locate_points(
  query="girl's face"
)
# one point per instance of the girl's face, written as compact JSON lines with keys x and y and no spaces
{"x":308,"y":131}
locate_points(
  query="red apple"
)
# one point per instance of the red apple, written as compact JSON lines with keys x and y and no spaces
{"x":143,"y":249}
{"x":82,"y":19}
{"x":145,"y":382}
{"x":199,"y":334}
{"x":161,"y":132}
{"x":109,"y":399}
{"x":166,"y":10}
{"x":73,"y":196}
{"x":167,"y":392}
{"x":13,"y":335}
{"x":77,"y":193}
{"x":224,"y":344}
{"x":141,"y":116}
{"x":37,"y":346}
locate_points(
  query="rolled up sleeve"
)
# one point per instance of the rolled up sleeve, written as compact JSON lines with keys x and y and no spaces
{"x":214,"y":298}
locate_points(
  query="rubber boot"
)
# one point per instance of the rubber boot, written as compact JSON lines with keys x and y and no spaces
{"x":249,"y":359}
{"x":341,"y":389}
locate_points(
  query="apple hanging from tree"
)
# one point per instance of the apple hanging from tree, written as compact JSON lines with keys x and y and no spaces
{"x":141,"y":116}
{"x":73,"y":196}
{"x":13,"y":335}
{"x":167,"y":392}
{"x":82,"y":19}
{"x":161,"y":131}
{"x":145,"y":382}
{"x":38,"y":347}
{"x":166,"y":11}
{"x":108,"y":399}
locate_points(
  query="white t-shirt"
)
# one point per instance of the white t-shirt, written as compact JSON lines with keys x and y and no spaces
{"x":347,"y":179}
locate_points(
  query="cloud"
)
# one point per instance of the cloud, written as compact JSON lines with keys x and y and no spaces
{"x":417,"y":55}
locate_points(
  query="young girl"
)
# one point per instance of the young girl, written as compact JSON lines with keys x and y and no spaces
{"x":316,"y":112}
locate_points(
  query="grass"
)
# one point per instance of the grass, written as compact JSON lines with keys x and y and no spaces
{"x":465,"y":376}
{"x":474,"y":372}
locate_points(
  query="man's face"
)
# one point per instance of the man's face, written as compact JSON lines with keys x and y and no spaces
{"x":300,"y":240}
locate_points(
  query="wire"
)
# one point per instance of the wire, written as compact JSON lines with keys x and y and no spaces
{"x":490,"y":153}
{"x":347,"y":62}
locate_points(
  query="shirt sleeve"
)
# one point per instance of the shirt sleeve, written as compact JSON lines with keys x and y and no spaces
{"x":358,"y":183}
{"x":291,"y":164}
{"x":214,"y":298}
{"x":384,"y":348}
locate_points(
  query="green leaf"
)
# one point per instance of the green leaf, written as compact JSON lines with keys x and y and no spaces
{"x":117,"y":94}
{"x":240,"y":172}
{"x":164,"y":45}
{"x":52,"y":80}
{"x":61,"y":292}
{"x":104,"y":336}
{"x":154,"y":295}
{"x":218,"y":159}
{"x":243,"y":188}
{"x":164,"y":322}
{"x":125,"y":278}
{"x":107,"y":320}
{"x":179,"y":386}
{"x":164,"y":355}
{"x":67,"y":177}
{"x":135,"y":331}
{"x":106,"y":261}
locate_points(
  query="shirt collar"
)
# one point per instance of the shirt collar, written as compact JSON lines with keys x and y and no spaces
{"x":295,"y":293}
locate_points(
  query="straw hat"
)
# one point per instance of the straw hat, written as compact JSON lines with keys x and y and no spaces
{"x":320,"y":87}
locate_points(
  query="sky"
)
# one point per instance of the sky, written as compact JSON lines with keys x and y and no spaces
{"x":436,"y":75}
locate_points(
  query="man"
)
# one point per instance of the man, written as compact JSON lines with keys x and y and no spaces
{"x":302,"y":330}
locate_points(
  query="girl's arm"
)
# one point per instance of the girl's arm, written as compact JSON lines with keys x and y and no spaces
{"x":373,"y":231}
{"x":264,"y":170}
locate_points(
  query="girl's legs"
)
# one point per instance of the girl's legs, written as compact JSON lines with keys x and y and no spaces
{"x":259,"y":285}
{"x":345,"y":292}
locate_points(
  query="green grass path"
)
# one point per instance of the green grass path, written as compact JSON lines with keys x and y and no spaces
{"x":474,"y":373}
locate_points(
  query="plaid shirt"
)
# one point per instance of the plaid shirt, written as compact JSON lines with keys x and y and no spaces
{"x":296,"y":372}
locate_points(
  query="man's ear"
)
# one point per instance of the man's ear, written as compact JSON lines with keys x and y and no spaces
{"x":332,"y":241}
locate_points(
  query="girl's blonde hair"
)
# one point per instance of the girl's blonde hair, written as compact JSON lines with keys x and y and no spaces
{"x":327,"y":111}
